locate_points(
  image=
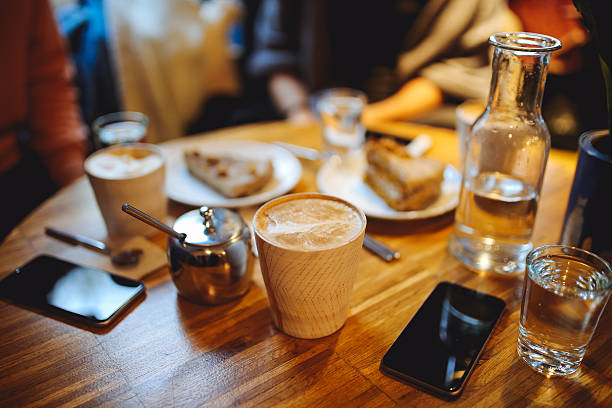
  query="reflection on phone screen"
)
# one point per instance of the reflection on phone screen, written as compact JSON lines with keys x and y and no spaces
{"x":441,"y":343}
{"x":90,"y":293}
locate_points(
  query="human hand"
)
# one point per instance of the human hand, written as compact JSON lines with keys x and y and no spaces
{"x":301,"y":116}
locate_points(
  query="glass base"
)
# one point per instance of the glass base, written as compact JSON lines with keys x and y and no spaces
{"x":487,"y":255}
{"x":548,"y":361}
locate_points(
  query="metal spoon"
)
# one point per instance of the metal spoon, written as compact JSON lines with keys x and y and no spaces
{"x":147,"y":219}
{"x":126,"y":257}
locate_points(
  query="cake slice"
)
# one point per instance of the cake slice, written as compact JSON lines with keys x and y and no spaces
{"x":405,"y":183}
{"x":230,"y":175}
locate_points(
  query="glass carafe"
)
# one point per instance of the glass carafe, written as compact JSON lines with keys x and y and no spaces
{"x":505,"y":159}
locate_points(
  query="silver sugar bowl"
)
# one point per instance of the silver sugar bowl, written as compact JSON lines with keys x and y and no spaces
{"x":214,"y":262}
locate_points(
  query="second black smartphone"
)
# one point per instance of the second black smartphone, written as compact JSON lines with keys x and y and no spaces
{"x":440,"y":346}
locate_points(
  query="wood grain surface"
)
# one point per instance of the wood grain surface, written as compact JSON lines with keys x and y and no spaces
{"x":167,"y":351}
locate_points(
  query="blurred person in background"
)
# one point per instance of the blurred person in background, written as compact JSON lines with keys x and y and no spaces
{"x":42,"y":139}
{"x":172,"y":60}
{"x":574,"y":97}
{"x":408,"y":56}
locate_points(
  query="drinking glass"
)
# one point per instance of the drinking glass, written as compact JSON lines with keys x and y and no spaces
{"x":564,"y":294}
{"x":466,"y":114}
{"x":339,"y":111}
{"x":120,"y":127}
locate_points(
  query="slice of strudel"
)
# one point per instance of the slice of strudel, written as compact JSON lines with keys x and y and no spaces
{"x":405,"y":183}
{"x":230,"y":175}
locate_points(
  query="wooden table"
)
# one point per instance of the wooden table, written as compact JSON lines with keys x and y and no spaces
{"x":170,"y":352}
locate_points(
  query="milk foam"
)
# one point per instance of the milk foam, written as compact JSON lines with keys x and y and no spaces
{"x":123,"y":163}
{"x":309,"y":224}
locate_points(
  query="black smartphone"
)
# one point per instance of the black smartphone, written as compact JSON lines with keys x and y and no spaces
{"x":82,"y":294}
{"x":440,"y":346}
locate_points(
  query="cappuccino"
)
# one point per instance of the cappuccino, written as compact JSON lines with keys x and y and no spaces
{"x":130,"y":173}
{"x":122,"y":162}
{"x":309,"y":224}
{"x":309,"y":246}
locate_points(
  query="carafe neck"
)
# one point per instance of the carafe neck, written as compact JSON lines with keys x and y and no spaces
{"x":520,"y":65}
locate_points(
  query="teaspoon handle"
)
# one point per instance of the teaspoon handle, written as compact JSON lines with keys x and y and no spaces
{"x":76,"y":239}
{"x":380,"y":249}
{"x":147,"y":219}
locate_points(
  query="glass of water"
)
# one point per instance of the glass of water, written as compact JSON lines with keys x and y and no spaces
{"x":120,"y":127}
{"x":339,"y":111}
{"x":564,"y":294}
{"x":465,"y":115}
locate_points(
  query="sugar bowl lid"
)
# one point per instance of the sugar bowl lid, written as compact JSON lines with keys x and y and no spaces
{"x":210,"y":226}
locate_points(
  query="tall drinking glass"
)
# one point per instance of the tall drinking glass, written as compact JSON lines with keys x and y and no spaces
{"x":465,"y":115}
{"x":339,"y":111}
{"x":564,"y":294}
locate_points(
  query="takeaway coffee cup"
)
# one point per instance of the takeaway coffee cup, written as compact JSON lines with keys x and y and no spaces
{"x":128,"y":173}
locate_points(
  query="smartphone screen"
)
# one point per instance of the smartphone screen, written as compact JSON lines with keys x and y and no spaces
{"x":89,"y":295}
{"x":440,"y":346}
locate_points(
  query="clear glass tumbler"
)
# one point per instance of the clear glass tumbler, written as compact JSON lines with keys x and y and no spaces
{"x":120,"y":127}
{"x":506,"y":155}
{"x":339,"y":110}
{"x":564,"y":294}
{"x":465,"y":115}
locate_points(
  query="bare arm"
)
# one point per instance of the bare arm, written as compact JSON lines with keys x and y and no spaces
{"x":415,"y":97}
{"x":290,"y":96}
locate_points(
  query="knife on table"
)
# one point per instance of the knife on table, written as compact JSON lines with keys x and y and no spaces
{"x":415,"y":147}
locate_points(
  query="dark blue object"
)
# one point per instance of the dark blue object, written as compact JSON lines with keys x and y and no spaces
{"x":588,"y":218}
{"x":84,"y":27}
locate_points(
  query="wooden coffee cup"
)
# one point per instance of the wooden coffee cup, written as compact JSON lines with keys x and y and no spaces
{"x":309,"y":289}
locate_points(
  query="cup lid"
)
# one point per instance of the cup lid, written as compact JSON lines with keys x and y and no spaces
{"x":210,"y":226}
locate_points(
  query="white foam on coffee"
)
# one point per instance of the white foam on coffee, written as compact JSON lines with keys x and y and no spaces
{"x":120,"y":165}
{"x":309,"y":224}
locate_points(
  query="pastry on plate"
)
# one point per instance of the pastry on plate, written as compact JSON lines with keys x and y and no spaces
{"x":230,"y":175}
{"x":404,"y":182}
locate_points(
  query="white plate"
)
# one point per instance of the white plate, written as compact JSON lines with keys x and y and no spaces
{"x":347,"y":182}
{"x":181,"y":186}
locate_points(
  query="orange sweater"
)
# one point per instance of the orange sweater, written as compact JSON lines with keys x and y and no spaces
{"x":36,"y":92}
